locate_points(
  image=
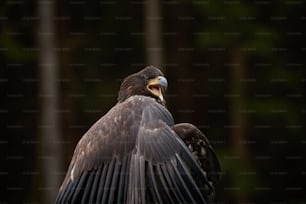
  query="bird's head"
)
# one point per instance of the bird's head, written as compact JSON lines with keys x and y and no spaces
{"x":150,"y":81}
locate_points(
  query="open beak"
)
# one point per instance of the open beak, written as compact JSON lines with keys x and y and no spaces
{"x":157,"y":87}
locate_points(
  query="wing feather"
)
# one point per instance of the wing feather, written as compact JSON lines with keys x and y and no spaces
{"x":106,"y":188}
{"x":171,"y":183}
{"x":189,"y":159}
{"x":126,"y":181}
{"x":189,"y":180}
{"x":203,"y":153}
{"x":114,"y":183}
{"x":132,"y":187}
{"x":77,"y":194}
{"x":132,"y":155}
{"x":142,"y":179}
{"x":87,"y":187}
{"x":62,"y":194}
{"x":63,"y":197}
{"x":102,"y":182}
{"x":155,"y":191}
{"x":179,"y":184}
{"x":122,"y":181}
{"x":95,"y":185}
{"x":164,"y":185}
{"x":182,"y":183}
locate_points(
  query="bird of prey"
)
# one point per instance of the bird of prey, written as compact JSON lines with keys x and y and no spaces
{"x":136,"y":153}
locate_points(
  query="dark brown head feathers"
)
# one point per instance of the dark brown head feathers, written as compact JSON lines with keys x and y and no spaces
{"x":135,"y":84}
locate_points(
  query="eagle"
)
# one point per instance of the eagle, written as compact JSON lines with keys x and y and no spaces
{"x":135,"y":153}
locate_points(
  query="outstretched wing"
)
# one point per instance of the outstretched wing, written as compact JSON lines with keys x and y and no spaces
{"x":132,"y":155}
{"x":199,"y":145}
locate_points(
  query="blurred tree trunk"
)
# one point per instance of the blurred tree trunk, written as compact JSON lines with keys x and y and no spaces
{"x":237,"y":102}
{"x":50,"y":149}
{"x":237,"y":117}
{"x":153,"y":33}
{"x":183,"y":85}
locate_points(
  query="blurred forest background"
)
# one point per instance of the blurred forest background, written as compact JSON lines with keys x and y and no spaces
{"x":236,"y":69}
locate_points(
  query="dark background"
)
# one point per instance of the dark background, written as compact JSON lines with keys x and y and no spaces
{"x":236,"y":69}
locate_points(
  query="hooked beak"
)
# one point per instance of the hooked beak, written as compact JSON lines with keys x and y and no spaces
{"x":157,"y":87}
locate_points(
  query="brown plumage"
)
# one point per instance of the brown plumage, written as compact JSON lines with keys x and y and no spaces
{"x":136,"y":153}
